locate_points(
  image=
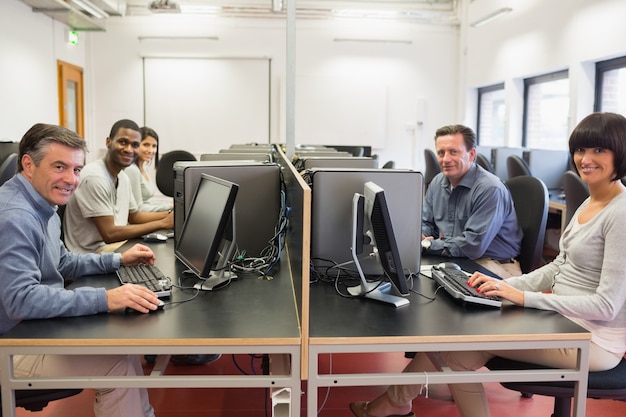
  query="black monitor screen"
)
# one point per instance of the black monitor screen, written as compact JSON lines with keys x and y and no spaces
{"x":383,"y":238}
{"x":371,"y":213}
{"x":205,"y":225}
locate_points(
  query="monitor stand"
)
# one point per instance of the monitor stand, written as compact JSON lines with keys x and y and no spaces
{"x":216,"y":280}
{"x":381,"y":290}
{"x":378,"y":291}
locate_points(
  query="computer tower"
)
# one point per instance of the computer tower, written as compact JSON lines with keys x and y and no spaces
{"x":257,"y":206}
{"x":332,"y":192}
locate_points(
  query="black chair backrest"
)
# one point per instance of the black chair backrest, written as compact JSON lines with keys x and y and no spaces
{"x":516,"y":166}
{"x":37,"y":399}
{"x":8,"y":168}
{"x":389,"y":165}
{"x":576,"y":191}
{"x":484,"y":162}
{"x":432,"y":166}
{"x":165,"y":170}
{"x":530,"y":197}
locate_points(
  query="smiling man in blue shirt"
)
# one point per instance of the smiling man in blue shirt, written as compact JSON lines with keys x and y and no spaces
{"x":469,"y":212}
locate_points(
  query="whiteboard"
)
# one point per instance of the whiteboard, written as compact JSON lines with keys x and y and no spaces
{"x":340,"y":110}
{"x":203,"y":105}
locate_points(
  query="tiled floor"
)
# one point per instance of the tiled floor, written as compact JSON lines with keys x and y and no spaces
{"x":332,"y":402}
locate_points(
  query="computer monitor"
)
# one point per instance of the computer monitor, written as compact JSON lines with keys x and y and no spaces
{"x":332,"y":190}
{"x":371,"y":219}
{"x":330,"y":152}
{"x":207,"y":239}
{"x":549,"y":165}
{"x":332,"y":161}
{"x":244,"y":156}
{"x":499,"y":156}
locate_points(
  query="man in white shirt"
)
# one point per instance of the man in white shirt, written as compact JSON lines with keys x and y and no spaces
{"x":102,"y":212}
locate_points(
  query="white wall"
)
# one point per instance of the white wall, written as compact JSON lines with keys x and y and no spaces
{"x":540,"y":37}
{"x":30,"y":45}
{"x":421,"y":81}
{"x":388,"y":83}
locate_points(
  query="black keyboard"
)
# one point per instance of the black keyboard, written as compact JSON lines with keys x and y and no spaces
{"x":454,"y":282}
{"x":149,"y":276}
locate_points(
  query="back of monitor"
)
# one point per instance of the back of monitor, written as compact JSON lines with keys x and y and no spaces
{"x":498,"y":160}
{"x":243,"y":156}
{"x":258,"y":200}
{"x":308,"y":162}
{"x":331,"y":213}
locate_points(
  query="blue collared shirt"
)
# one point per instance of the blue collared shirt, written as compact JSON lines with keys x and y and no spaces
{"x":476,"y":219}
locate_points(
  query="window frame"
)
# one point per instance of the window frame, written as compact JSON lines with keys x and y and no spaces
{"x":480,"y":92}
{"x":528,"y":82}
{"x":603,"y":67}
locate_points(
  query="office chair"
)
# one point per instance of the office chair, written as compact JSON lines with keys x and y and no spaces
{"x":38,"y":399}
{"x":576,"y":191}
{"x":8,"y":168}
{"x":609,"y":384}
{"x":516,"y":166}
{"x":165,"y":170}
{"x":530,"y":197}
{"x":432,"y":166}
{"x":483,"y":161}
{"x":389,"y":165}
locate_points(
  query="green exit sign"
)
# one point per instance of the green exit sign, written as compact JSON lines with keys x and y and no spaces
{"x":72,"y":37}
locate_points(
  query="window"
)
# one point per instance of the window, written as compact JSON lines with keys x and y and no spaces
{"x":611,"y":86}
{"x":546,"y":111}
{"x":490,"y":121}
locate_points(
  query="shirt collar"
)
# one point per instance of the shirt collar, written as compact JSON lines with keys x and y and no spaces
{"x":39,"y":201}
{"x":468,"y":179}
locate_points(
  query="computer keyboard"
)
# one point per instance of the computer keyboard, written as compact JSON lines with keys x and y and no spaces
{"x":455,"y":284}
{"x":149,"y":276}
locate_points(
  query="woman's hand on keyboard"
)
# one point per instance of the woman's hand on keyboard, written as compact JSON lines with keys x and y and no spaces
{"x":493,"y":287}
{"x":132,"y":296}
{"x":138,"y":254}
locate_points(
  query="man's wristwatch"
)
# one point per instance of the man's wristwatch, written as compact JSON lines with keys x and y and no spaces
{"x":426,"y":244}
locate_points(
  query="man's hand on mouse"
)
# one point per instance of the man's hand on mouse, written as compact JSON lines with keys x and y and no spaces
{"x":132,"y":296}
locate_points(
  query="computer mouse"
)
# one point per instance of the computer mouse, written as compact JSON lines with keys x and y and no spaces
{"x":160,"y":306}
{"x":448,"y":265}
{"x":154,"y":237}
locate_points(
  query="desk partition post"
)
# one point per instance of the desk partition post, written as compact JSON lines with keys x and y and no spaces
{"x":580,"y":387}
{"x":284,"y":399}
{"x":8,"y":394}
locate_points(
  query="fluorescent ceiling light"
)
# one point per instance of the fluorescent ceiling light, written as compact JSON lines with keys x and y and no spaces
{"x":90,"y":8}
{"x":361,"y":13}
{"x":199,"y":9}
{"x":399,"y":41}
{"x":491,"y":16}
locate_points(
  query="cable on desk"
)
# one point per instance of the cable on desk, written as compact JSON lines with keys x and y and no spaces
{"x":270,"y":255}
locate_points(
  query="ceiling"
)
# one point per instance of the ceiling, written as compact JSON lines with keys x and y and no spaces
{"x":407,"y":9}
{"x":92,"y":14}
